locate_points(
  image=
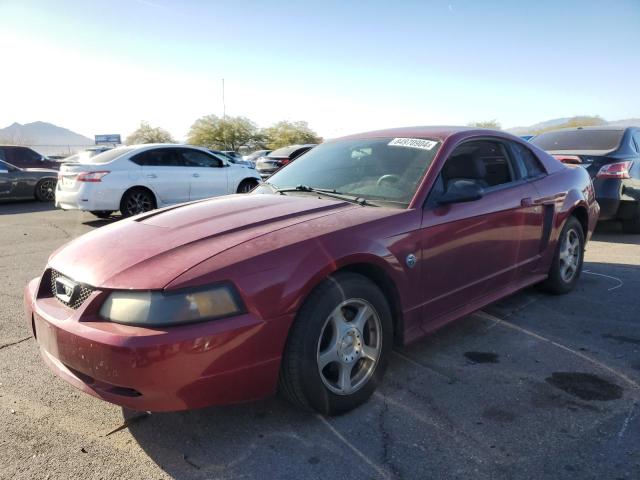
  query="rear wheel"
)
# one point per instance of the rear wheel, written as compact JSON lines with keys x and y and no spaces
{"x":102,"y":213}
{"x":135,"y":201}
{"x":338,"y":346}
{"x":46,"y":190}
{"x":633,"y":224}
{"x":567,"y":261}
{"x":247,"y":185}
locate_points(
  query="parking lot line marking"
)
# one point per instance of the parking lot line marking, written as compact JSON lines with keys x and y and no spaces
{"x":620,"y":282}
{"x":455,"y":433}
{"x":425,"y":367}
{"x":488,"y":316}
{"x":381,"y":471}
{"x":630,"y":416}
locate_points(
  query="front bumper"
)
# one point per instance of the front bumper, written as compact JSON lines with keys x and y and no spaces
{"x":211,"y":363}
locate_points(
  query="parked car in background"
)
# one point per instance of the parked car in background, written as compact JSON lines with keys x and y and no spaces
{"x":271,"y":163}
{"x":233,"y":154}
{"x":25,"y":157}
{"x":138,"y":178}
{"x":611,"y":155}
{"x":231,"y":158}
{"x":85,"y":154}
{"x":527,"y":137}
{"x":305,"y":284}
{"x":254,"y":156}
{"x":27,"y":183}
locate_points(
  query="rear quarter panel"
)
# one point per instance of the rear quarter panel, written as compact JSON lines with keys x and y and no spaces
{"x":567,"y":189}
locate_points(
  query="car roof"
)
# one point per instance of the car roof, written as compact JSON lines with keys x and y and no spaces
{"x":435,"y":131}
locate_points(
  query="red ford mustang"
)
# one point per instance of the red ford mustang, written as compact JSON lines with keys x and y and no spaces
{"x":305,"y":284}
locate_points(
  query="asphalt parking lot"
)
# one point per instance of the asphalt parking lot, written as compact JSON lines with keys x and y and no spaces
{"x":536,"y":386}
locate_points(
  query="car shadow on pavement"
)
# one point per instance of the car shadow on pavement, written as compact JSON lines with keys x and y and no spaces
{"x":8,"y":207}
{"x":100,"y":222}
{"x":611,"y":231}
{"x":467,"y":401}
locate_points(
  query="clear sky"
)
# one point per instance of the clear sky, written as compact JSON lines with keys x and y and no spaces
{"x":344,"y":66}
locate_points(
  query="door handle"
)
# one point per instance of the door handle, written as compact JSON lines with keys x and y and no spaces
{"x":152,"y":175}
{"x":195,"y":175}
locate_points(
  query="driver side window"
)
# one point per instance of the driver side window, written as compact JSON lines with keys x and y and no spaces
{"x":483,"y":162}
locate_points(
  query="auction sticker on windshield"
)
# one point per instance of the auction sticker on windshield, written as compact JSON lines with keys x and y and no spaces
{"x":420,"y":143}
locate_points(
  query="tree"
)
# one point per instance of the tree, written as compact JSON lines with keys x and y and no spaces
{"x":148,"y":134}
{"x":289,"y":133}
{"x":492,"y":124}
{"x":229,"y":133}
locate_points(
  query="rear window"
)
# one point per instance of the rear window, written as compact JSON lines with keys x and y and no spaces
{"x":109,"y":155}
{"x":579,"y":140}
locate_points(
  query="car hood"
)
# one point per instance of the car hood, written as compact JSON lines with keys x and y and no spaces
{"x":150,"y":250}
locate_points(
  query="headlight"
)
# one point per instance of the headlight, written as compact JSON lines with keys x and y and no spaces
{"x":155,"y":308}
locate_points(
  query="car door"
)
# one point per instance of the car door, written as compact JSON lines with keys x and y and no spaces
{"x":207,"y":174}
{"x":165,"y":173}
{"x":6,"y":180}
{"x":471,"y":250}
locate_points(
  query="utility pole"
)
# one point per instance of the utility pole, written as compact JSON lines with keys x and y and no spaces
{"x":224,"y":107}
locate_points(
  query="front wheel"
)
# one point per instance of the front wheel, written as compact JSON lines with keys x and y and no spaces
{"x":46,"y":190}
{"x":567,"y":260}
{"x":337,"y":349}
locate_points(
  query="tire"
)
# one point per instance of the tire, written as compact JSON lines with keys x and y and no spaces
{"x":46,"y":190}
{"x":135,"y":201}
{"x":632,"y":225}
{"x":359,"y":352}
{"x":567,"y":261}
{"x":247,"y":185}
{"x":102,"y":213}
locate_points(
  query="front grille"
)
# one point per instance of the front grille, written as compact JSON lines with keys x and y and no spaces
{"x":77,"y":298}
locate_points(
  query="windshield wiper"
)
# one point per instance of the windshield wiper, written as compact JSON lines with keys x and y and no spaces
{"x":326,"y":192}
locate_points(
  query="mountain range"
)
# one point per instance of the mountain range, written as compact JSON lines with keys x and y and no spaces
{"x":41,"y":133}
{"x":563,"y":122}
{"x":47,"y":137}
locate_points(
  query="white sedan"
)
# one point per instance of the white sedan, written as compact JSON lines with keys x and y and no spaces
{"x":138,"y":178}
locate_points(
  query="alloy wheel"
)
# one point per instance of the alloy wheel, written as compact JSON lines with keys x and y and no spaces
{"x":46,"y":190}
{"x":349,"y":346}
{"x":139,"y":202}
{"x":569,"y":255}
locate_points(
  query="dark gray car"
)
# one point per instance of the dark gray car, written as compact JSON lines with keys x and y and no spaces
{"x":27,"y":183}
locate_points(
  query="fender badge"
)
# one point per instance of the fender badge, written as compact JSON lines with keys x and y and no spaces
{"x":411,"y":260}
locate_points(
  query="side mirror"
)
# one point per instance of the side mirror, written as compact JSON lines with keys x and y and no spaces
{"x":460,"y":191}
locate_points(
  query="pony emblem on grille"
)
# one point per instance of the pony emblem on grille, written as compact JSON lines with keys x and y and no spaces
{"x":65,"y":289}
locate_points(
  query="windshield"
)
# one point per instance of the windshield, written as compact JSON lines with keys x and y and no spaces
{"x":379,"y":169}
{"x":579,"y":140}
{"x":109,"y":155}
